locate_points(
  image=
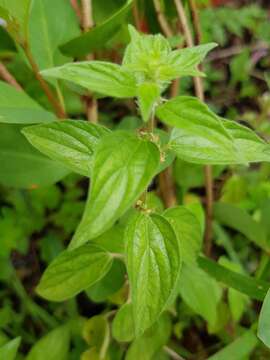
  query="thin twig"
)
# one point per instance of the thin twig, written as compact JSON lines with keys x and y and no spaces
{"x":8,"y":77}
{"x":136,"y":15}
{"x":200,"y":94}
{"x":162,"y":19}
{"x":76,"y":8}
{"x":60,"y":112}
{"x":167,"y":188}
{"x":172,"y":353}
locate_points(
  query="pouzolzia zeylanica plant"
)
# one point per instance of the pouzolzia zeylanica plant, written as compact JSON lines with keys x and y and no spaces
{"x":159,"y":247}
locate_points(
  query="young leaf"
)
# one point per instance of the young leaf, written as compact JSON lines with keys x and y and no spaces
{"x":74,"y":271}
{"x":147,"y":345}
{"x":153,"y":264}
{"x":148,"y":94}
{"x":95,"y":331}
{"x":264,"y":321}
{"x":21,"y":165}
{"x":54,"y":345}
{"x":16,"y":107}
{"x":195,"y":287}
{"x":69,"y":142}
{"x":9,"y":350}
{"x":123,"y":167}
{"x":99,"y":76}
{"x":123,"y":324}
{"x":202,"y":137}
{"x":254,"y":288}
{"x":97,"y":37}
{"x":239,"y":349}
{"x":238,"y":219}
{"x":188,"y":230}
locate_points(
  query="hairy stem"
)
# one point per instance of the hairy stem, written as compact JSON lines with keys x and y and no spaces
{"x":200,"y":94}
{"x":59,"y":110}
{"x":8,"y":77}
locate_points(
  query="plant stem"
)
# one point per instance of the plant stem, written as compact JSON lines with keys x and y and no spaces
{"x":172,"y":353}
{"x":60,"y":112}
{"x":162,"y":19}
{"x":200,"y":94}
{"x":167,"y":188}
{"x":8,"y":77}
{"x":76,"y":8}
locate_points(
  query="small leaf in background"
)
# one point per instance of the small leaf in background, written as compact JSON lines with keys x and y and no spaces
{"x":239,"y":220}
{"x":74,"y":271}
{"x":54,"y":345}
{"x":123,"y":324}
{"x":97,"y":37}
{"x":123,"y":167}
{"x":21,"y":165}
{"x":195,"y":287}
{"x":95,"y":331}
{"x":99,"y":76}
{"x":145,"y":346}
{"x":109,"y":284}
{"x":188,"y":231}
{"x":153,"y":263}
{"x":254,"y":288}
{"x":9,"y":350}
{"x":202,"y":137}
{"x":235,"y":190}
{"x":264,"y":321}
{"x":69,"y":142}
{"x":16,"y":107}
{"x":239,"y":349}
{"x":148,"y":95}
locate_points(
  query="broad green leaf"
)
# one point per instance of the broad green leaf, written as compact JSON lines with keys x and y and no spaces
{"x":184,"y":62}
{"x":54,"y":345}
{"x":239,"y":349}
{"x":97,"y":37}
{"x":16,"y":14}
{"x":153,"y":264}
{"x":238,"y":219}
{"x":146,"y":346}
{"x":202,"y":137}
{"x":112,"y":240}
{"x":46,"y":32}
{"x":254,"y":288}
{"x":123,"y":167}
{"x":17,"y":107}
{"x":22,"y":165}
{"x":71,"y":142}
{"x":148,"y":94}
{"x":109,"y":284}
{"x":123,"y":324}
{"x":9,"y":350}
{"x":73,"y":271}
{"x":264,"y":321}
{"x":99,"y":76}
{"x":188,"y":230}
{"x":195,"y":286}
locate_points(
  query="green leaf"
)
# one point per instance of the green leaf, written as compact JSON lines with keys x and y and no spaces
{"x":71,"y":142}
{"x":123,"y":167}
{"x":99,"y":76}
{"x":54,"y":345}
{"x":123,"y":324}
{"x":17,"y":107}
{"x":9,"y":350}
{"x":239,"y":349}
{"x":74,"y":271}
{"x":109,"y":284}
{"x":146,"y":346}
{"x":188,"y":230}
{"x":95,"y":330}
{"x":153,"y":264}
{"x":16,"y":14}
{"x":148,"y":94}
{"x":195,"y":286}
{"x":46,"y":32}
{"x":97,"y":37}
{"x":202,"y":137}
{"x":238,"y":219}
{"x":264,"y":321}
{"x":254,"y":288}
{"x":22,"y":165}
